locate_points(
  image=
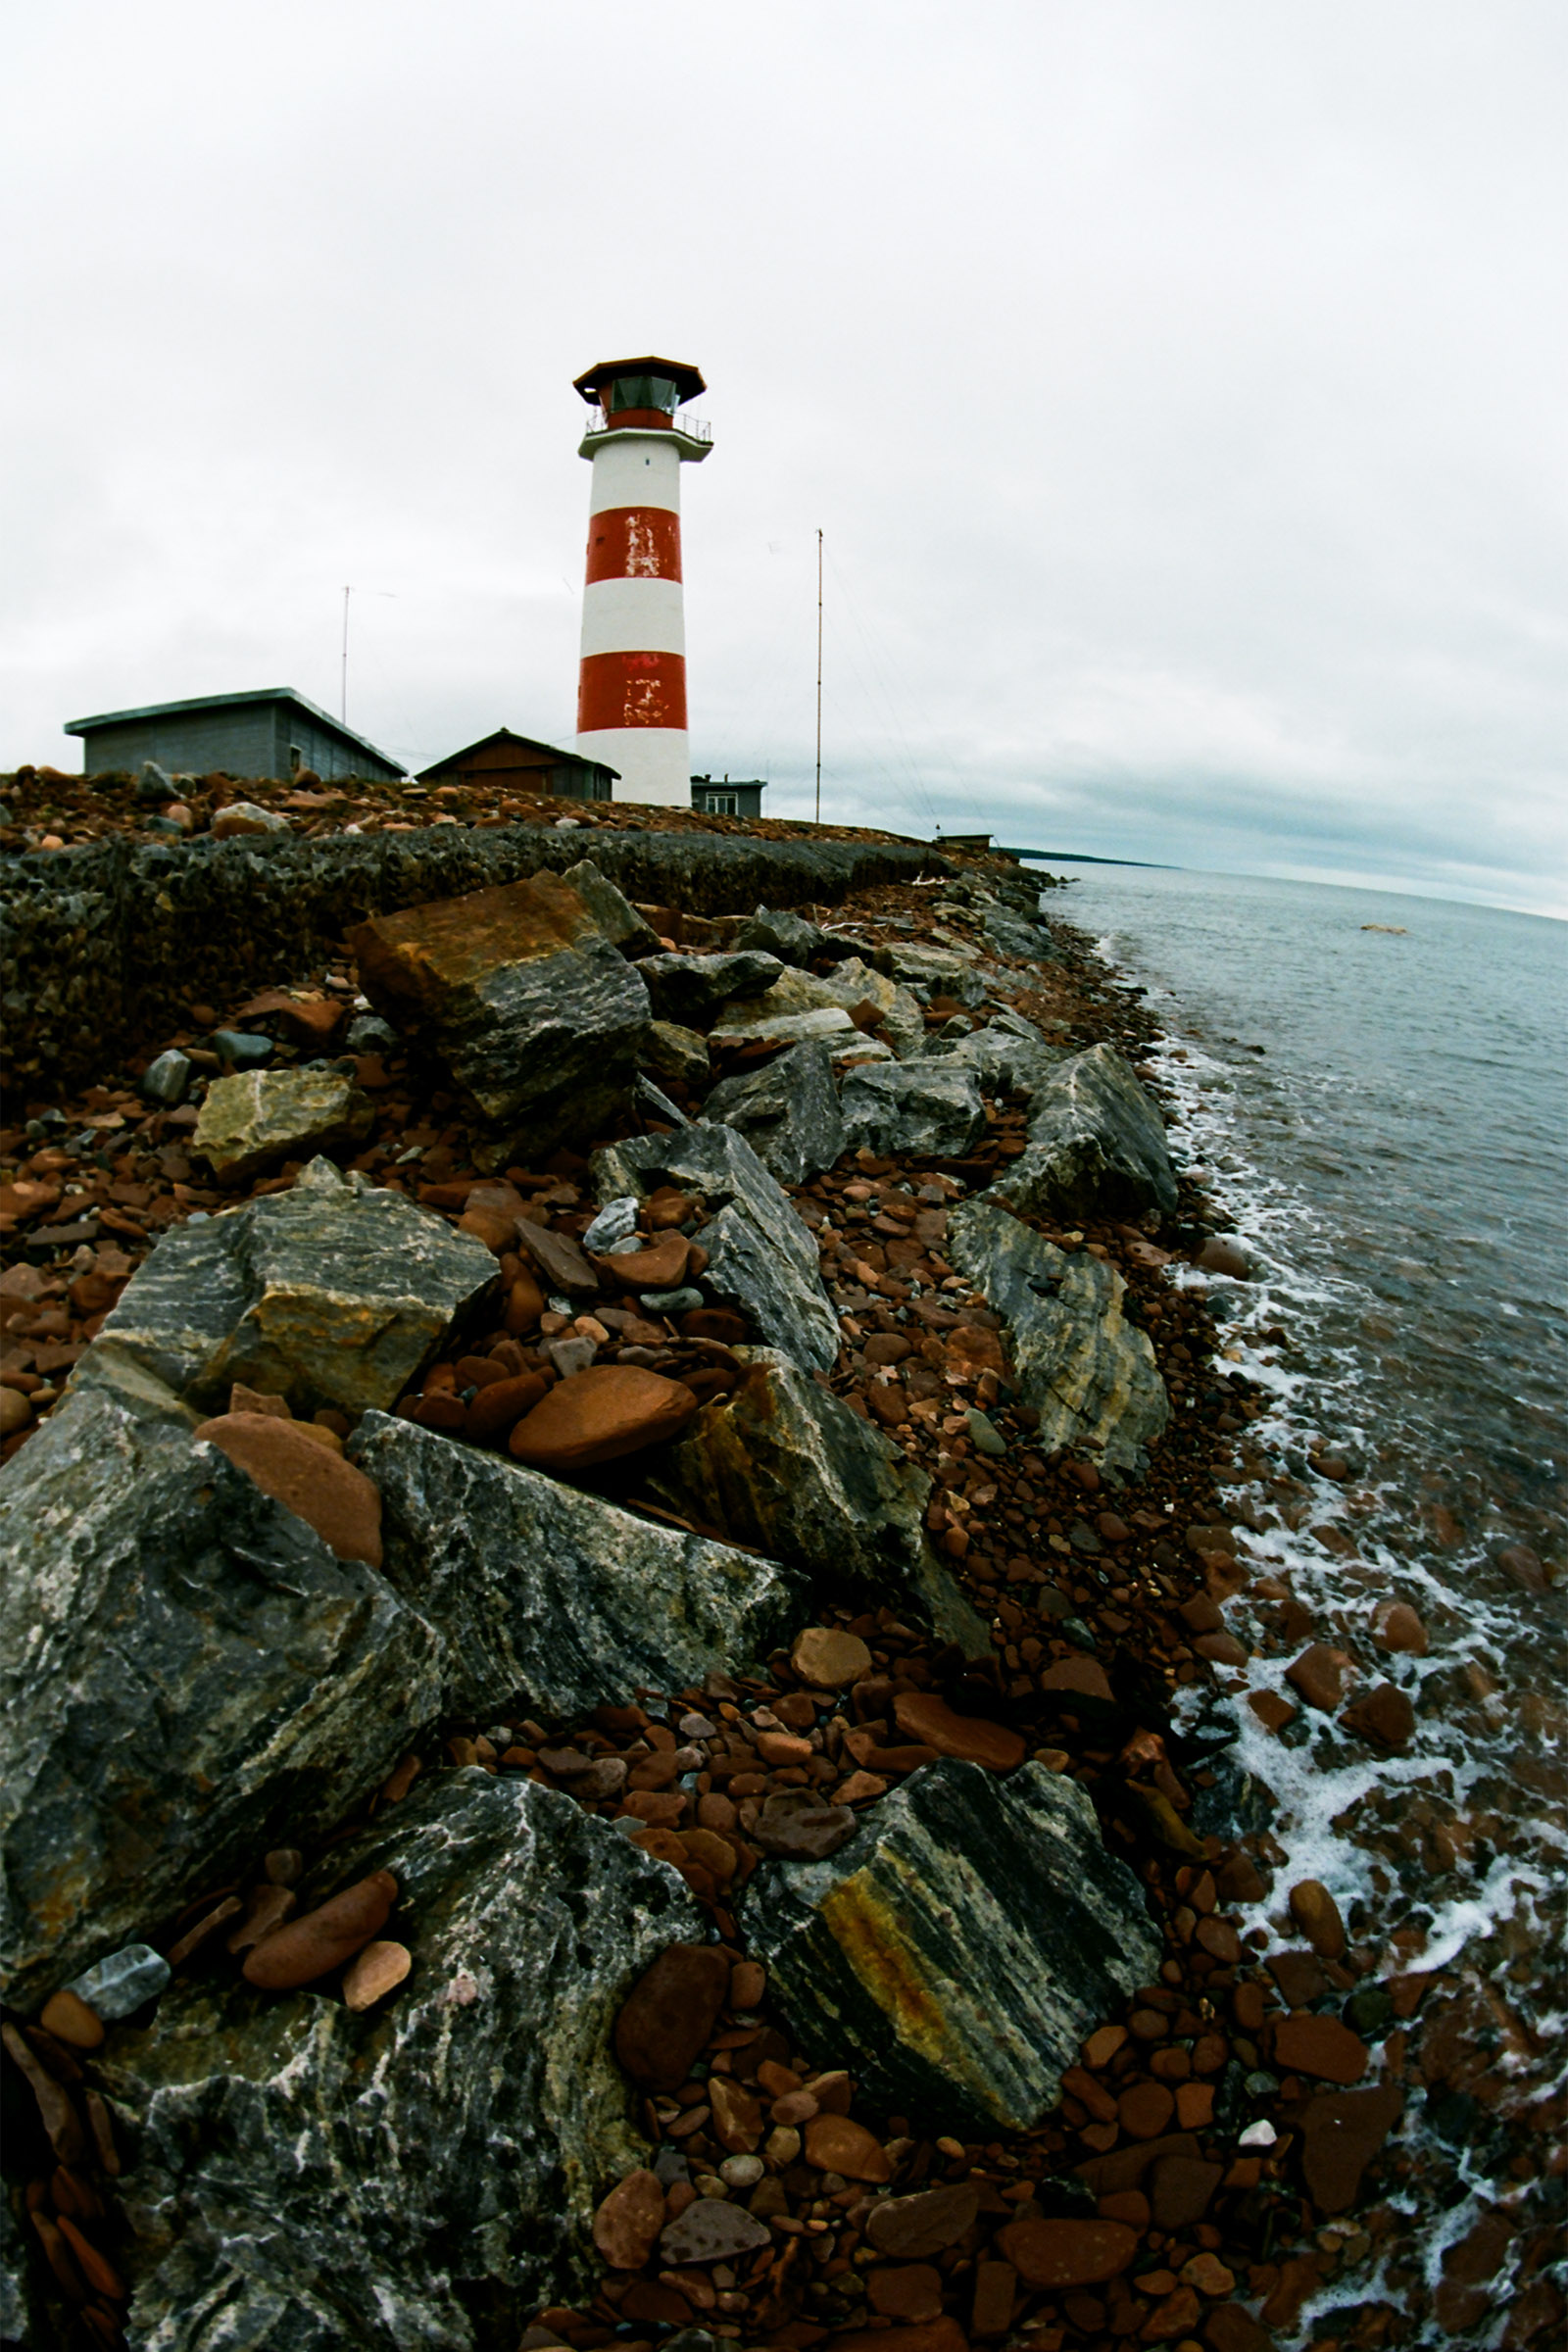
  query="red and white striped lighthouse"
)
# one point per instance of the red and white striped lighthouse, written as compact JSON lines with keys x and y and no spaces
{"x":632,"y":690}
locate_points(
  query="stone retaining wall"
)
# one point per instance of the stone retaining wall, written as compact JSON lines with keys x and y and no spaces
{"x":100,"y":946}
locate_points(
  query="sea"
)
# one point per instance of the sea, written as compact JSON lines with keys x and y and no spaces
{"x":1376,"y":1088}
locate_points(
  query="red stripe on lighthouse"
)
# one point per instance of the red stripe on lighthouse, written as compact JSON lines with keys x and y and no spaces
{"x":632,"y":690}
{"x":634,"y":543}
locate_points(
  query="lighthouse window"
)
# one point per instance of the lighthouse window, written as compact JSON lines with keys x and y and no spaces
{"x":644,"y":392}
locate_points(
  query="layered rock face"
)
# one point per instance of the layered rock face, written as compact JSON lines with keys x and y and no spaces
{"x":241,"y":1684}
{"x":525,"y":1000}
{"x":782,"y":1463}
{"x":332,"y":1293}
{"x":553,"y":1593}
{"x":788,"y":1111}
{"x":931,"y":1109}
{"x":759,"y":1255}
{"x":310,"y":2177}
{"x":963,"y":1944}
{"x":1097,"y":1145}
{"x":1088,"y":1372}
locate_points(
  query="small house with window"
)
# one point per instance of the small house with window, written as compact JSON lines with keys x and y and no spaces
{"x":721,"y":798}
{"x":269,"y":731}
{"x":504,"y":763}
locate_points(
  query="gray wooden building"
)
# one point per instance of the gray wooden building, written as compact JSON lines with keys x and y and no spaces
{"x":271,"y":731}
{"x":719,"y":796}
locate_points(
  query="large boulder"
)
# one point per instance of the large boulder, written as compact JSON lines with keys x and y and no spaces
{"x":1014,"y":934}
{"x":784,"y":1464}
{"x":332,"y":1293}
{"x":689,"y":988}
{"x":928,"y":1109}
{"x":958,"y":1951}
{"x":788,"y":1111}
{"x":422,"y":2174}
{"x":779,"y":931}
{"x":934,"y":971}
{"x":1089,"y":1373}
{"x":617,"y":919}
{"x":1009,"y":1055}
{"x":1097,"y":1145}
{"x":761,"y":1257}
{"x":522,"y":996}
{"x":552,"y":1593}
{"x":187,"y":1674}
{"x":258,"y":1118}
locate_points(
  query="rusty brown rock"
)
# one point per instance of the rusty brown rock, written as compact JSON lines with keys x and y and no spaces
{"x":375,"y":1972}
{"x":669,"y":2013}
{"x":502,"y":1404}
{"x":66,"y":2016}
{"x":627,"y":2223}
{"x":905,"y":2291}
{"x":828,"y":1660}
{"x":1385,"y":1716}
{"x":306,"y":1476}
{"x":912,"y":2228}
{"x":1317,"y":1915}
{"x":662,"y":1266}
{"x":1396,"y":1627}
{"x":933,"y":2335}
{"x":1056,"y":2254}
{"x":836,"y":2144}
{"x":1320,"y":1674}
{"x":1319,"y":2047}
{"x":1341,"y":2134}
{"x":928,"y":1720}
{"x":323,"y":1938}
{"x":600,"y":1415}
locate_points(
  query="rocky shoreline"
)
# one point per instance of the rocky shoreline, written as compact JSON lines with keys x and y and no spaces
{"x":612,"y":1527}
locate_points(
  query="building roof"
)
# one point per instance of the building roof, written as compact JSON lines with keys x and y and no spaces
{"x":527,"y":742}
{"x":217,"y":702}
{"x":688,"y":382}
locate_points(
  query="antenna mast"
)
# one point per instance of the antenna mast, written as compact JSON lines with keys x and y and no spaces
{"x":818,"y":677}
{"x":343,"y":712}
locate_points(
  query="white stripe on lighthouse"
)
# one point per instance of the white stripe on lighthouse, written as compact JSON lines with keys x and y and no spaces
{"x":643,"y":469}
{"x":633,"y":617}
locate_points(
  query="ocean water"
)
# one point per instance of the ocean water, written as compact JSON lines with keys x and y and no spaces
{"x":1384,"y":1114}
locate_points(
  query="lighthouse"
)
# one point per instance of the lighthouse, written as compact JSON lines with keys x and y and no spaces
{"x":631,"y":688}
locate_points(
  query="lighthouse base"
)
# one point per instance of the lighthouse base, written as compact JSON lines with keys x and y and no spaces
{"x":654,"y":762}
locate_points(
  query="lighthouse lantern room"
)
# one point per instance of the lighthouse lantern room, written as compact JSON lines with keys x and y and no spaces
{"x":631,"y":691}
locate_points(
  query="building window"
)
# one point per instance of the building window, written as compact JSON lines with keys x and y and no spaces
{"x":721,"y":803}
{"x":296,"y":759}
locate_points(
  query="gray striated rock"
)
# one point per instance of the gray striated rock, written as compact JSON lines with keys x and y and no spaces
{"x":1009,"y":1055}
{"x":940,"y":971}
{"x":671,"y":1051}
{"x":166,"y":1079}
{"x":423,"y":2175}
{"x":788,"y":1111}
{"x":617,"y":919}
{"x":258,"y":1118}
{"x":1089,"y":1373}
{"x":187,"y":1674}
{"x":956,"y":1953}
{"x":761,"y":1257}
{"x":690,"y":988}
{"x":334,"y":1292}
{"x":523,"y":998}
{"x":786,"y":1465}
{"x":1097,"y":1145}
{"x":542,"y":1590}
{"x":1013,"y":934}
{"x":853,"y":983}
{"x":929,"y":1109}
{"x":779,"y":932}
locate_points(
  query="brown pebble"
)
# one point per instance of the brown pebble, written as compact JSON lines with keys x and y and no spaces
{"x":66,"y":2016}
{"x":283,"y":1865}
{"x":501,"y":1404}
{"x":909,"y":2228}
{"x":1341,"y":2134}
{"x":1317,"y":1915}
{"x":1058,"y":2254}
{"x":59,"y":2116}
{"x":836,"y":2144}
{"x":1396,"y":1627}
{"x":748,"y":1982}
{"x":925,"y":1718}
{"x":828,"y":1660}
{"x":265,"y":1913}
{"x":324,"y":1939}
{"x":1145,"y":2110}
{"x":375,"y":1972}
{"x":905,"y":2290}
{"x":1319,"y":2047}
{"x":599,"y":1416}
{"x":1320,"y":1675}
{"x":627,"y":2223}
{"x":1385,"y":1716}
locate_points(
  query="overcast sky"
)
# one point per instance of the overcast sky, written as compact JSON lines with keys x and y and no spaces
{"x":1180,"y":385}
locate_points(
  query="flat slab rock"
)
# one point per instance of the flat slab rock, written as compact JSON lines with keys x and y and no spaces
{"x":1097,"y":1145}
{"x":258,"y":1118}
{"x":1089,"y":1373}
{"x":761,"y":1257}
{"x":543,"y":1589}
{"x":422,"y":2174}
{"x":784,"y":1464}
{"x":332,"y":1293}
{"x":958,"y":1951}
{"x":850,"y":985}
{"x":525,"y":998}
{"x":187,"y":1676}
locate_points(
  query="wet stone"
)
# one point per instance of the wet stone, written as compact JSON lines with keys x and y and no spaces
{"x":1320,"y":1675}
{"x":1341,"y":2134}
{"x":669,"y":2013}
{"x":599,"y":1415}
{"x":1317,"y":1915}
{"x":910,"y":2227}
{"x":1319,"y":2047}
{"x":258,"y":1118}
{"x":1058,"y":2254}
{"x":627,"y":2223}
{"x":1385,"y":1716}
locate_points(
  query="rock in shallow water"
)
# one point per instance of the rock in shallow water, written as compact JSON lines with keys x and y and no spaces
{"x":239,"y":1682}
{"x":761,"y":1257}
{"x":954,"y":1954}
{"x":332,"y":1293}
{"x":785,"y":1465}
{"x":1086,"y":1370}
{"x":545,"y":1590}
{"x":1097,"y":1145}
{"x":425,"y":2173}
